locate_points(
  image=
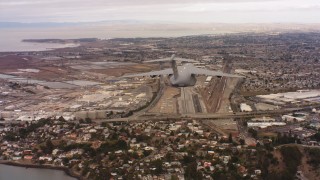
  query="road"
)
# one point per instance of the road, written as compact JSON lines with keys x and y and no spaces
{"x":219,"y":93}
{"x":155,"y":100}
{"x":214,"y":128}
{"x":243,"y":134}
{"x":196,"y":103}
{"x":208,"y":116}
{"x":189,"y":101}
{"x":221,"y":87}
{"x":216,"y":91}
{"x":186,"y":104}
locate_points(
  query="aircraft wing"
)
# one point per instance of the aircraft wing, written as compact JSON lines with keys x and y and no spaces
{"x":195,"y":70}
{"x":185,"y":60}
{"x":152,"y":73}
{"x":158,"y":60}
{"x":170,"y":59}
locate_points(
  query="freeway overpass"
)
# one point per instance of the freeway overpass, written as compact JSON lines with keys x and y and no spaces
{"x":206,"y":116}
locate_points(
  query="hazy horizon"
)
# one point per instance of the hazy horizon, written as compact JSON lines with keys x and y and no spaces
{"x":187,"y":11}
{"x":164,"y":25}
{"x":11,"y":38}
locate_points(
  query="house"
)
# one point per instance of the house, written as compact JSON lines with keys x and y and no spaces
{"x":257,"y":171}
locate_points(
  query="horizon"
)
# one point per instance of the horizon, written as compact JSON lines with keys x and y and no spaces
{"x":124,"y":21}
{"x":202,"y":11}
{"x":136,"y":24}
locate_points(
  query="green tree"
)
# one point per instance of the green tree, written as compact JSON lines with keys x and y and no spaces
{"x":242,"y":141}
{"x":253,"y":132}
{"x":121,"y":144}
{"x":146,"y":153}
{"x":191,"y":172}
{"x":10,"y":136}
{"x":230,"y":138}
{"x":316,"y":136}
{"x":88,"y":121}
{"x":61,"y":119}
{"x":104,"y":124}
{"x":292,"y":159}
{"x":48,"y":147}
{"x":174,"y":177}
{"x":158,"y":165}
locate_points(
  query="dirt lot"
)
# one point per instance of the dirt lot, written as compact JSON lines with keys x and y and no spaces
{"x":9,"y":64}
{"x":121,"y":70}
{"x":14,"y":62}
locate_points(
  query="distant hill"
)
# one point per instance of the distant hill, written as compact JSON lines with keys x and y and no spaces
{"x":34,"y":25}
{"x":80,"y":40}
{"x":62,"y":24}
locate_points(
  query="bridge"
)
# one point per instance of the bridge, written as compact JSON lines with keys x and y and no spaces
{"x":206,"y":116}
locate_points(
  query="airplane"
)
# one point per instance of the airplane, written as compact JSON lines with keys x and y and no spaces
{"x":182,"y":76}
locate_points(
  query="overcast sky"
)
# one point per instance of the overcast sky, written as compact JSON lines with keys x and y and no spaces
{"x":224,"y":11}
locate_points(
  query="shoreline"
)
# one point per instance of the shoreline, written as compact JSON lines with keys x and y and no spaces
{"x":66,"y":170}
{"x":25,"y":47}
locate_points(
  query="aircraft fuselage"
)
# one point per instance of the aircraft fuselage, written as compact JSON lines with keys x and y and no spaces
{"x":185,"y":77}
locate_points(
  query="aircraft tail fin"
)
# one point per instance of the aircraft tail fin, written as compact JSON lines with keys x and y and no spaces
{"x":174,"y":67}
{"x":173,"y":61}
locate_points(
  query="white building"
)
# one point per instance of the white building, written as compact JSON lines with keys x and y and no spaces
{"x":263,"y":119}
{"x":245,"y":107}
{"x":265,"y":124}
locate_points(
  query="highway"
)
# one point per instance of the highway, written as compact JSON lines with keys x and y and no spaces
{"x":221,"y":87}
{"x":196,"y":103}
{"x":189,"y":101}
{"x":216,"y":91}
{"x":219,"y":93}
{"x":186,"y":103}
{"x":162,"y":87}
{"x":207,"y":116}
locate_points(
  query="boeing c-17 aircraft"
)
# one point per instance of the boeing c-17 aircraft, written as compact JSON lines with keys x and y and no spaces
{"x":182,"y":76}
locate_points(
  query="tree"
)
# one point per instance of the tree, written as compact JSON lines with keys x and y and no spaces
{"x":88,"y":120}
{"x":23,"y":132}
{"x":146,"y":153}
{"x":192,"y":173}
{"x":292,"y":159}
{"x":104,"y":124}
{"x":65,"y":161}
{"x":61,"y":119}
{"x":219,"y":175}
{"x":174,"y":177}
{"x":245,"y":123}
{"x":169,"y":157}
{"x":242,"y":141}
{"x":121,"y":144}
{"x":171,"y":133}
{"x":48,"y":147}
{"x":316,"y":136}
{"x":253,"y":132}
{"x":158,"y":165}
{"x":234,"y":159}
{"x":230,"y":138}
{"x":10,"y":136}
